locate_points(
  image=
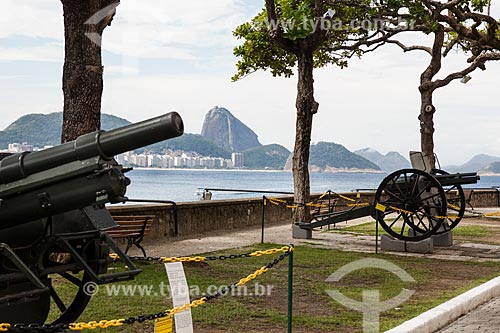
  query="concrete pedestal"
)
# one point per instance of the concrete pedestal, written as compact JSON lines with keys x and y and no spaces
{"x":442,"y":240}
{"x":389,"y":243}
{"x":299,"y":233}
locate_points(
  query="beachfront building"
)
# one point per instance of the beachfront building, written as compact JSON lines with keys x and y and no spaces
{"x":238,"y":160}
{"x":174,"y":159}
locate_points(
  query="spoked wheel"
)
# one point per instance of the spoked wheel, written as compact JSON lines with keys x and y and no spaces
{"x":71,"y":293}
{"x":455,"y":197}
{"x":70,"y":308}
{"x":410,"y":199}
{"x":64,"y":301}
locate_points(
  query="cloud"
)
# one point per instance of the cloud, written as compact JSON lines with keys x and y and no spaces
{"x":153,"y":29}
{"x":35,"y":19}
{"x":187,"y":45}
{"x":173,"y":29}
{"x":11,"y":77}
{"x":42,"y":53}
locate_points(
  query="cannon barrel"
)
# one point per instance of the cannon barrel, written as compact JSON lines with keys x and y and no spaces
{"x":104,"y":144}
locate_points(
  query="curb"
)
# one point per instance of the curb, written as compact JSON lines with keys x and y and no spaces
{"x":442,"y":315}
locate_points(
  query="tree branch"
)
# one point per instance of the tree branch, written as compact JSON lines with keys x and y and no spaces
{"x":479,"y":62}
{"x":411,"y":48}
{"x":276,"y":32}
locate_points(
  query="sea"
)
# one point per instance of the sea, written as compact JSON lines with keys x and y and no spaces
{"x":182,"y":185}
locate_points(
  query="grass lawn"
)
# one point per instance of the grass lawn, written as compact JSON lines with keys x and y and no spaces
{"x":314,"y":310}
{"x":480,"y":233}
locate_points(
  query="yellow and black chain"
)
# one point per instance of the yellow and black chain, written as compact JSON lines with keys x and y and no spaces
{"x":258,"y":253}
{"x":314,"y":203}
{"x":54,"y":328}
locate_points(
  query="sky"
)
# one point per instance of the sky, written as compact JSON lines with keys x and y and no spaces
{"x":165,"y":55}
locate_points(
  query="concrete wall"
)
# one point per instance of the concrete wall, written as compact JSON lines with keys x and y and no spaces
{"x":203,"y":216}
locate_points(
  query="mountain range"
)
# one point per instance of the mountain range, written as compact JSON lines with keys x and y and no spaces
{"x":332,"y":157}
{"x":482,"y":164}
{"x":223,"y":134}
{"x":390,"y":162}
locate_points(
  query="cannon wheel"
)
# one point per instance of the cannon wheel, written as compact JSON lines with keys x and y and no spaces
{"x":80,"y":286}
{"x":410,"y":199}
{"x":69,"y":307}
{"x":70,"y":310}
{"x":456,"y":203}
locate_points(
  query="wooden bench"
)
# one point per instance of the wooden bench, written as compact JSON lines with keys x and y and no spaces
{"x":133,"y":229}
{"x":468,"y":197}
{"x":323,"y":206}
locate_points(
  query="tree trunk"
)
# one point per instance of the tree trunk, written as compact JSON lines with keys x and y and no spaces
{"x":306,"y":107}
{"x":426,"y":88}
{"x":84,"y":23}
{"x":426,"y":118}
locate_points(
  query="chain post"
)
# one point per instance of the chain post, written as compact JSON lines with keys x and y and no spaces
{"x":290,"y":289}
{"x":263,"y":218}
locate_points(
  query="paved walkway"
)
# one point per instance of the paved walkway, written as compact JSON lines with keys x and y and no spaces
{"x":282,"y":234}
{"x":484,"y":319}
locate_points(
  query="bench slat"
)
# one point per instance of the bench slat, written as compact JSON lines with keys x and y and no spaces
{"x":128,"y":229}
{"x":123,"y":234}
{"x":132,"y":223}
{"x":135,"y":217}
{"x":133,"y":228}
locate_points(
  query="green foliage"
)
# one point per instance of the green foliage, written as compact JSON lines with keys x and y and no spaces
{"x":266,"y":157}
{"x":259,"y":51}
{"x":479,"y":5}
{"x":297,"y":21}
{"x":296,"y":16}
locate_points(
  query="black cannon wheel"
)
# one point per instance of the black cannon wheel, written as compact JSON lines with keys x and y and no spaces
{"x":455,"y":197}
{"x":66,"y":299}
{"x":71,"y":309}
{"x":410,"y":199}
{"x":77,"y":288}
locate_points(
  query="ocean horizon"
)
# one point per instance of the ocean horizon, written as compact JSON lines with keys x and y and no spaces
{"x":187,"y":185}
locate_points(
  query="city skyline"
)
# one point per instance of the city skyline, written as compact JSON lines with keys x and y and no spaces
{"x":168,"y":159}
{"x":167,"y":56}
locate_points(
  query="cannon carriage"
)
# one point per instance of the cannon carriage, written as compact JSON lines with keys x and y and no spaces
{"x":410,"y":204}
{"x":53,"y":220}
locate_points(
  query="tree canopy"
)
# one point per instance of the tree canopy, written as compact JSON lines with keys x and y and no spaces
{"x":308,"y":34}
{"x":333,"y":29}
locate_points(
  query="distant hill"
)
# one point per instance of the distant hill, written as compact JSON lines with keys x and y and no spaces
{"x":493,"y":168}
{"x":390,"y":162}
{"x":266,"y":157}
{"x":228,"y":132}
{"x":45,"y":129}
{"x":332,"y":157}
{"x":189,"y":143}
{"x":477,"y":163}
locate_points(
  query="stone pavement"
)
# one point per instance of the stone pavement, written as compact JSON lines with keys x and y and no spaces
{"x":484,"y":319}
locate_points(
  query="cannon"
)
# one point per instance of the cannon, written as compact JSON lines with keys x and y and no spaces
{"x":410,"y":204}
{"x":53,"y":220}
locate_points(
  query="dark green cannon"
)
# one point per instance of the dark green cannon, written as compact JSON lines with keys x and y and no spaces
{"x":53,"y":219}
